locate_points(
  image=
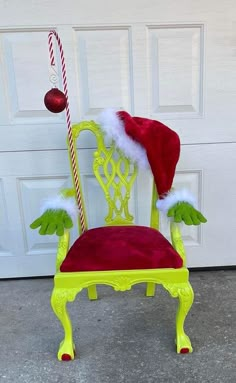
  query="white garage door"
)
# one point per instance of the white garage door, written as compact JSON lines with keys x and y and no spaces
{"x":166,"y":60}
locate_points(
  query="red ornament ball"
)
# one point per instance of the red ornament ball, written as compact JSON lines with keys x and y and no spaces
{"x":55,"y":100}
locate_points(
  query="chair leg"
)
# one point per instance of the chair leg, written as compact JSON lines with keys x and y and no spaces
{"x":150,"y":289}
{"x":59,"y":299}
{"x":185,"y":294}
{"x":92,"y":292}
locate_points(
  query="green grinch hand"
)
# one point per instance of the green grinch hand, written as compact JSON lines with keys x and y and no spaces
{"x":183,"y":211}
{"x":53,"y":221}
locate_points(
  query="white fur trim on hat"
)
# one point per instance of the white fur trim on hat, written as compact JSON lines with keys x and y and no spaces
{"x":60,"y":202}
{"x":115,"y":130}
{"x":173,"y":197}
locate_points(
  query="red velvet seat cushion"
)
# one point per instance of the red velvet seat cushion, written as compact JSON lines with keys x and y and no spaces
{"x":121,"y":248}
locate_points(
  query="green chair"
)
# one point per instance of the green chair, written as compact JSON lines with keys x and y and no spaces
{"x":119,"y":254}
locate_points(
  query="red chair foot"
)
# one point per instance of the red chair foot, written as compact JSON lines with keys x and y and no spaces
{"x":184,"y":351}
{"x":66,"y":357}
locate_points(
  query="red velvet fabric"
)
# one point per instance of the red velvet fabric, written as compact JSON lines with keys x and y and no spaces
{"x":162,"y":146}
{"x":121,"y":248}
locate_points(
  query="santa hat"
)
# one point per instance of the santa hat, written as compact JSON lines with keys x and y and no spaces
{"x":149,"y":143}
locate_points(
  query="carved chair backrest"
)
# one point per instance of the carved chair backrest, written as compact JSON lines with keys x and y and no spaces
{"x":115,"y":174}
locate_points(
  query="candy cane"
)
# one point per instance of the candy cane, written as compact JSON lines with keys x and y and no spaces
{"x":68,"y":121}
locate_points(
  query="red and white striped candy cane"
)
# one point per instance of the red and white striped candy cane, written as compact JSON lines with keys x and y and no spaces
{"x":68,"y":121}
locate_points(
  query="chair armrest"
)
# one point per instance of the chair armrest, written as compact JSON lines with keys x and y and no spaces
{"x":62,"y":249}
{"x":177,"y":241}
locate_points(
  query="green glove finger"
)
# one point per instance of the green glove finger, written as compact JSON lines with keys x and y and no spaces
{"x":187,"y":218}
{"x":68,"y":224}
{"x":51,"y":228}
{"x":195,"y":218}
{"x":201,"y":217}
{"x":171,"y":212}
{"x":178,"y":215}
{"x":43,"y":228}
{"x":36,"y":223}
{"x":60,"y":229}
